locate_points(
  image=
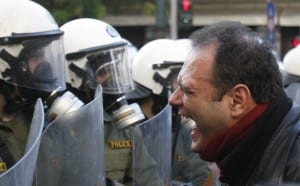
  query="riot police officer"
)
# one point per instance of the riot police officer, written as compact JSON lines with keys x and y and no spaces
{"x":97,"y":54}
{"x":31,"y":56}
{"x":155,"y":68}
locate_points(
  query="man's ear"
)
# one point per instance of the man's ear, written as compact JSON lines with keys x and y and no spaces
{"x":241,"y":100}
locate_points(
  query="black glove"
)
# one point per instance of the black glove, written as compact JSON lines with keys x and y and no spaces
{"x":109,"y":182}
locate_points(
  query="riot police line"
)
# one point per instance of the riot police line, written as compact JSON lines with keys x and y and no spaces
{"x":70,"y":94}
{"x":69,"y":151}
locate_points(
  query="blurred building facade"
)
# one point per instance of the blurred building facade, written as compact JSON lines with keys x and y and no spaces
{"x":137,"y":20}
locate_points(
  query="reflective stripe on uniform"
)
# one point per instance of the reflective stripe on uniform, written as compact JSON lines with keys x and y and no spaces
{"x":120,"y":144}
{"x":3,"y":167}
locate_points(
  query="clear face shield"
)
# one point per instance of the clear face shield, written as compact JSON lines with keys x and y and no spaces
{"x":35,"y":62}
{"x":111,"y":69}
{"x":108,"y":66}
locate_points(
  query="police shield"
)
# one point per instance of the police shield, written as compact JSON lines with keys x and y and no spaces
{"x":156,"y":135}
{"x":71,"y":151}
{"x":22,"y":172}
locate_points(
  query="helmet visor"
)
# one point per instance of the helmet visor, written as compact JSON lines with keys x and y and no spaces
{"x":36,"y":63}
{"x":110,"y":68}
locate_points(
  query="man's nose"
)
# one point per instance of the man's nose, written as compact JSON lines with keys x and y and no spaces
{"x":175,"y":98}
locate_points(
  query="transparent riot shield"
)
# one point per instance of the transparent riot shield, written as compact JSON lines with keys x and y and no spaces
{"x":156,"y":135}
{"x":22,"y":172}
{"x":71,"y":150}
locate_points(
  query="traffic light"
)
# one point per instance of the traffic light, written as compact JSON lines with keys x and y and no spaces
{"x":185,"y":14}
{"x":296,"y":41}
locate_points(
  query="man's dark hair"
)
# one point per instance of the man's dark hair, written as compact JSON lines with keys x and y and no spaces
{"x":242,"y":56}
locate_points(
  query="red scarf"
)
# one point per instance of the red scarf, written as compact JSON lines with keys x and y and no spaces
{"x":222,"y":143}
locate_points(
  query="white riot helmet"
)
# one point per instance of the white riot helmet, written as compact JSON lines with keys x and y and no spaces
{"x":156,"y":64}
{"x":185,"y":44}
{"x":31,"y":48}
{"x":96,"y":54}
{"x":291,"y":61}
{"x":291,"y":66}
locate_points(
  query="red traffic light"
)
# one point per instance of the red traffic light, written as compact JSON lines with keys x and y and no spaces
{"x":295,"y":41}
{"x":186,"y":5}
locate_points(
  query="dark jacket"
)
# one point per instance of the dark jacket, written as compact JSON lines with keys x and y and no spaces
{"x":280,"y":162}
{"x":270,"y":152}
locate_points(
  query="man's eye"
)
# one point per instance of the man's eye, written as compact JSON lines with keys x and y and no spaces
{"x":186,"y":92}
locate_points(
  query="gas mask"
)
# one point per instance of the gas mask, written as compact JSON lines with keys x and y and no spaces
{"x":61,"y":103}
{"x":124,"y":114}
